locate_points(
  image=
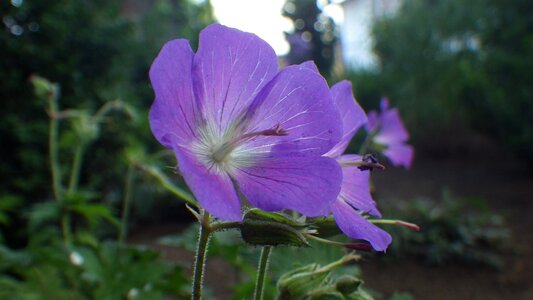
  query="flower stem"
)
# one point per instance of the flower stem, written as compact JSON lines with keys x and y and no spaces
{"x":325,"y":241}
{"x":167,"y":184}
{"x":344,"y":260}
{"x":65,"y":227}
{"x":261,"y":272}
{"x":123,"y":231}
{"x":53,"y":144}
{"x":76,"y":168}
{"x":55,"y":167}
{"x":201,"y":254}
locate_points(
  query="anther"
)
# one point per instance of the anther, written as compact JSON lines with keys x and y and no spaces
{"x":276,"y":131}
{"x":369,"y":162}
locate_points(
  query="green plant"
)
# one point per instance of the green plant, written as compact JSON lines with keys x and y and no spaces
{"x":453,"y":229}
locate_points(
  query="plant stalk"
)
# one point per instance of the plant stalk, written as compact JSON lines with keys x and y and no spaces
{"x":261,"y":272}
{"x":65,"y":227}
{"x":53,"y":145}
{"x":123,"y":231}
{"x":168,"y":185}
{"x":76,"y":168}
{"x":201,"y":254}
{"x":55,"y":167}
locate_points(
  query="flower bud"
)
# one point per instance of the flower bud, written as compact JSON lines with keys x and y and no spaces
{"x":43,"y":87}
{"x":300,"y":282}
{"x":86,"y":129}
{"x":347,"y":284}
{"x":258,"y":232}
{"x":264,"y":228}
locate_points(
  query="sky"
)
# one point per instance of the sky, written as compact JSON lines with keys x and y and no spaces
{"x":262,"y":17}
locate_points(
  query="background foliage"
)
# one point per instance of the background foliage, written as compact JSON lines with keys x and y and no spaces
{"x":96,"y":54}
{"x":65,"y":245}
{"x":449,"y":65}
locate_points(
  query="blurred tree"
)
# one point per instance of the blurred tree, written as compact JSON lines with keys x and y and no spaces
{"x":445,"y":62}
{"x":96,"y":55}
{"x":313,"y":37}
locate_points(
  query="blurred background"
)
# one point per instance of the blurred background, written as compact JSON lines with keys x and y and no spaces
{"x":461,"y":74}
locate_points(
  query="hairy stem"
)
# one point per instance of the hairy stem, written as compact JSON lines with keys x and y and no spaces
{"x":123,"y":231}
{"x":201,"y":254}
{"x":261,"y":272}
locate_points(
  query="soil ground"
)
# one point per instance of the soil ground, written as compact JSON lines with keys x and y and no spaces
{"x":505,"y":184}
{"x":483,"y":169}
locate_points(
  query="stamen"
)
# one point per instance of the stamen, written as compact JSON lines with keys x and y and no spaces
{"x":368,"y":163}
{"x":409,"y":225}
{"x":275,"y":131}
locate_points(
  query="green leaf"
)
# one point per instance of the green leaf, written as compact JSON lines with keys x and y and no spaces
{"x":42,"y":213}
{"x":94,"y":212}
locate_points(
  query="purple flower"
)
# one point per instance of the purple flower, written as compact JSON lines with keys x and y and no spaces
{"x":235,"y":122}
{"x":389,"y":132}
{"x":354,"y":198}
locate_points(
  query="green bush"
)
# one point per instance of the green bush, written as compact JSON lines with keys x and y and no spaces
{"x":449,"y":64}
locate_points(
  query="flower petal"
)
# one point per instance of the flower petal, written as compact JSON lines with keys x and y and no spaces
{"x":392,"y":130}
{"x":297,"y":100}
{"x":214,"y":191}
{"x":173,"y":111}
{"x":400,"y":155}
{"x":310,"y":65}
{"x":384,"y":104}
{"x":373,"y":121}
{"x":304,"y":184}
{"x":355,"y":188}
{"x":230,"y":68}
{"x":357,"y":227}
{"x":352,"y":115}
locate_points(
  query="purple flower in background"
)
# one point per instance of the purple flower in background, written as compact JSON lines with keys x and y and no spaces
{"x":234,"y":121}
{"x":389,"y":132}
{"x":354,"y":197}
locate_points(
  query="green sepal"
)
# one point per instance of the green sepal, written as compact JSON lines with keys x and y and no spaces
{"x":360,"y":294}
{"x":325,"y":293}
{"x":258,"y":214}
{"x":325,"y":227}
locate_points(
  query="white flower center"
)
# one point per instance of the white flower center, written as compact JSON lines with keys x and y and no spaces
{"x":227,"y":151}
